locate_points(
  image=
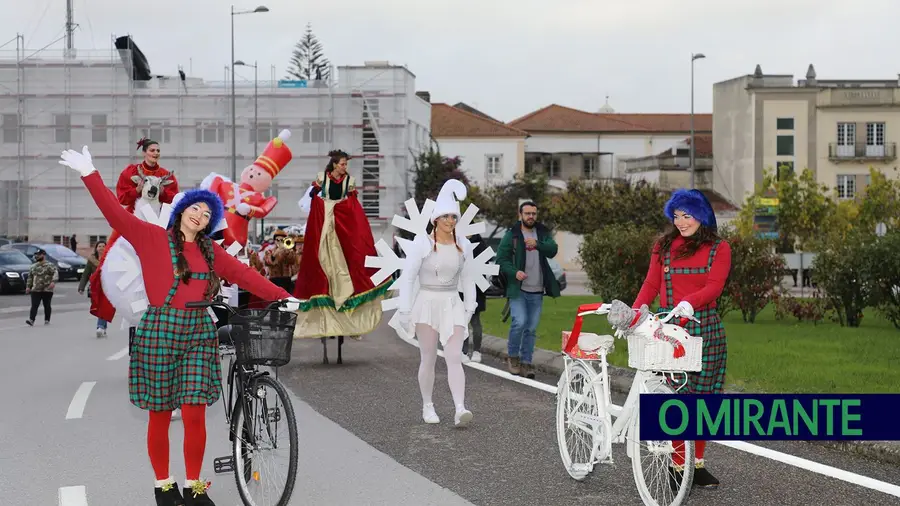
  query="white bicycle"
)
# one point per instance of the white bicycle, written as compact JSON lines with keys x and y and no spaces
{"x":584,"y":411}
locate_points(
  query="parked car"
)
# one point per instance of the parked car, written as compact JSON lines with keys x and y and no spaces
{"x":498,"y":287}
{"x":14,"y":267}
{"x":69,"y":264}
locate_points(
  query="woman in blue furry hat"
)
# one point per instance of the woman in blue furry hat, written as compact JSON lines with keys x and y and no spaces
{"x":174,"y":361}
{"x":689,"y":266}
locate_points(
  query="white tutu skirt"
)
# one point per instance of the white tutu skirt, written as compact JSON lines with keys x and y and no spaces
{"x":442,"y":311}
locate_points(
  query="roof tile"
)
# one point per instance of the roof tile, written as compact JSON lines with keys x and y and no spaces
{"x":448,"y":121}
{"x":557,"y":118}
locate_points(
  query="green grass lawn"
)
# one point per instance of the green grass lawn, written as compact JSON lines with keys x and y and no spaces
{"x":777,"y":356}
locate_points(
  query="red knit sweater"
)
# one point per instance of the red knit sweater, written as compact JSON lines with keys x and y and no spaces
{"x":151,"y":243}
{"x":700,"y":290}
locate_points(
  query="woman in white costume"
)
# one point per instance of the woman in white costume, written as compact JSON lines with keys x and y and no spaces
{"x":433,"y":275}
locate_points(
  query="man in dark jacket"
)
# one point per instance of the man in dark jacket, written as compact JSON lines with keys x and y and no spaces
{"x":522,"y":257}
{"x":475,"y":323}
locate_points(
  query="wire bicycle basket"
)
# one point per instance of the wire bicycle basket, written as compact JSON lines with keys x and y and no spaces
{"x":263,"y":337}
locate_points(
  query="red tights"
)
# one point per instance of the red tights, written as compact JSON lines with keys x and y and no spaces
{"x":194,"y":418}
{"x":678,"y":457}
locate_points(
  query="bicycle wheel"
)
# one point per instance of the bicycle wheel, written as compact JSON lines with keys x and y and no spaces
{"x":659,"y":486}
{"x":577,"y":416}
{"x":260,"y":480}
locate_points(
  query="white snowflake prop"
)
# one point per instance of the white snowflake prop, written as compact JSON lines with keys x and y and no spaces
{"x":121,"y":276}
{"x":387,"y":262}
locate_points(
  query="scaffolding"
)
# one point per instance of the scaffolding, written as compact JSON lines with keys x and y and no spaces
{"x":52,"y":100}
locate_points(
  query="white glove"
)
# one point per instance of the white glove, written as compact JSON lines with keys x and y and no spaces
{"x":291,"y":305}
{"x":243,"y":208}
{"x":79,"y":161}
{"x":684,"y":308}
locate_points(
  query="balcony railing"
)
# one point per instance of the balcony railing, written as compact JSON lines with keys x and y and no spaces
{"x":861,"y":151}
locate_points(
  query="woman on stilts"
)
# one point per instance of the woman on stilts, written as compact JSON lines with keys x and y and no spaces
{"x":175,"y":361}
{"x":689,"y":266}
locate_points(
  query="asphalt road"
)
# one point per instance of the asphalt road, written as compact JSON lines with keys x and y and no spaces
{"x":362,"y":438}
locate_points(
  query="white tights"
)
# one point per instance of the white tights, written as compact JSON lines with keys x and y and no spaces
{"x":428,"y":345}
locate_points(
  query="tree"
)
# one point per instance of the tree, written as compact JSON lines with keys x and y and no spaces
{"x":841,"y":271}
{"x":308,"y":61}
{"x":616,"y":259}
{"x":500,"y":203}
{"x":588,"y":206}
{"x":880,"y":202}
{"x":882,"y":274}
{"x":431,"y":171}
{"x":756,"y":272}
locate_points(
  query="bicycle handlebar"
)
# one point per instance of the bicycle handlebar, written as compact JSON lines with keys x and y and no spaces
{"x":219,"y":302}
{"x":603,"y":309}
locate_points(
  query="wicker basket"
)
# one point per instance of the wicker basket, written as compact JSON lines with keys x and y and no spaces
{"x":651,"y":354}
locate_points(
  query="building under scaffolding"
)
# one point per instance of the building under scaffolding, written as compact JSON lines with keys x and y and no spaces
{"x":109,"y":99}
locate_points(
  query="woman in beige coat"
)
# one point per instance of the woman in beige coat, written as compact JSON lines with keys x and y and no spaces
{"x":92,"y":262}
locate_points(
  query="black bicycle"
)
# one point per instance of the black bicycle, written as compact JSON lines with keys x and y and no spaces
{"x":256,"y":338}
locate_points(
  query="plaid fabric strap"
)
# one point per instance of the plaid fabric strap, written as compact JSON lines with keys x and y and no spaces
{"x":174,"y":288}
{"x":669,"y":270}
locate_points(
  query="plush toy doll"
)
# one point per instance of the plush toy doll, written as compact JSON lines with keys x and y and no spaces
{"x":246,"y":200}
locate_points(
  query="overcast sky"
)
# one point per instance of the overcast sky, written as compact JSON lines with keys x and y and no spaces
{"x":506,"y":57}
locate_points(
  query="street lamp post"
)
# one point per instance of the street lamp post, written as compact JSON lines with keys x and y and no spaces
{"x":234,"y":13}
{"x":255,"y":111}
{"x":694,"y":57}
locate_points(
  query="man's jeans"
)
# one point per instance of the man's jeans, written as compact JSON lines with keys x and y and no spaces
{"x":525,"y":311}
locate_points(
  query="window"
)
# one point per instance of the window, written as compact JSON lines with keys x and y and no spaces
{"x":846,"y":187}
{"x":785,"y":168}
{"x":846,"y":140}
{"x":10,"y":128}
{"x":785,"y":145}
{"x":589,"y":168}
{"x":98,"y":133}
{"x":94,"y":239}
{"x":263,"y":132}
{"x":874,"y":139}
{"x":158,"y":131}
{"x":493,"y":166}
{"x":553,"y":168}
{"x":784,"y":123}
{"x":316,"y":132}
{"x":63,"y":123}
{"x":210,"y":132}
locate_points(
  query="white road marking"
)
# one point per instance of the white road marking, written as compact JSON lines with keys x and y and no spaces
{"x":76,"y":407}
{"x":119,"y":354}
{"x":73,"y":496}
{"x":786,"y":458}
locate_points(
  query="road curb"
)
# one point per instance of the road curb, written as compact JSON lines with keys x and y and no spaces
{"x":551,"y":362}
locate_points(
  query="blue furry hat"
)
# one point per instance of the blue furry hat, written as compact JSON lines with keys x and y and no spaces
{"x":692,"y":202}
{"x":190,"y":197}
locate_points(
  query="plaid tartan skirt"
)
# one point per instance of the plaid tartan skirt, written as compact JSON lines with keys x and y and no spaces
{"x":711,"y":378}
{"x":174,"y":360}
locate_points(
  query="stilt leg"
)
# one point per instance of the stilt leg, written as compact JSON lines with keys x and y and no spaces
{"x":324,"y":350}
{"x":340,"y":347}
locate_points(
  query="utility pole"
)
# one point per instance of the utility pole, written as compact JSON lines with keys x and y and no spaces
{"x":694,"y":57}
{"x":70,"y":28}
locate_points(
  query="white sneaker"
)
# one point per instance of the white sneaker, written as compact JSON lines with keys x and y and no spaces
{"x":463,"y":417}
{"x":476,"y":356}
{"x":428,"y":414}
{"x":465,"y":358}
{"x":101,"y":333}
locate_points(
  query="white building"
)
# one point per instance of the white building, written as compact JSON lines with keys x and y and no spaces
{"x":491,"y":152}
{"x":568,"y":143}
{"x":49,"y":103}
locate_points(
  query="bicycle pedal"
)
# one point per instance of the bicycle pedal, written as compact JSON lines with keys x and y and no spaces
{"x":223,"y":465}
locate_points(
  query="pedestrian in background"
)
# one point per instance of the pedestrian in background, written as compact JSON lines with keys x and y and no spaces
{"x":92,"y":262}
{"x":475,"y":327}
{"x":522,"y":257}
{"x":42,"y":278}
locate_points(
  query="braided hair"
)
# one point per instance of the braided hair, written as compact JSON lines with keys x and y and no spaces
{"x":182,"y":268}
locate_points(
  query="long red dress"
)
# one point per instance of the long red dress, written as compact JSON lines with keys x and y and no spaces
{"x":339,"y":298}
{"x":126,"y":191}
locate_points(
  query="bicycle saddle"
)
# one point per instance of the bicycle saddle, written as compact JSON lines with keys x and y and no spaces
{"x":591,"y":343}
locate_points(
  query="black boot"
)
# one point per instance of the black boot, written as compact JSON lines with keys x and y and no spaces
{"x":168,"y":495}
{"x":703,"y":478}
{"x":197,"y":496}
